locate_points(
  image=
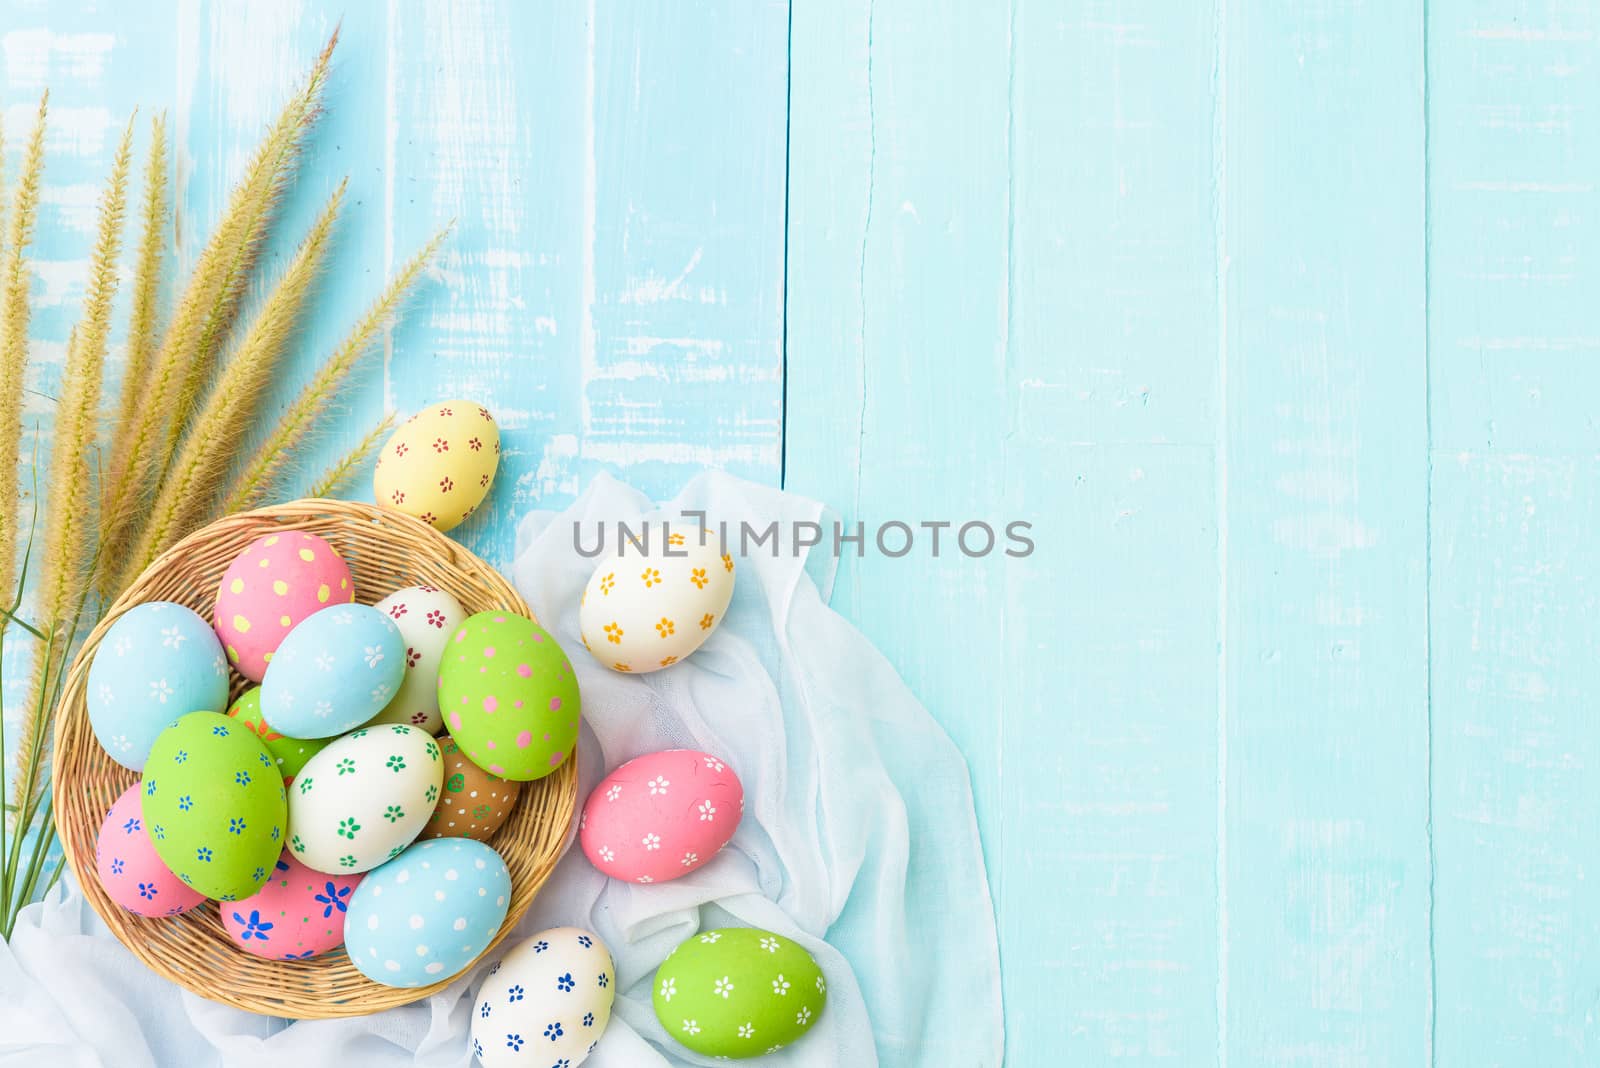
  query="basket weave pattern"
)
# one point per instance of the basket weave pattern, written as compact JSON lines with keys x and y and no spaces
{"x":385,"y":551}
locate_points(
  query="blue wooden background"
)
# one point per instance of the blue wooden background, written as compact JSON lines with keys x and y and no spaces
{"x":1277,"y":319}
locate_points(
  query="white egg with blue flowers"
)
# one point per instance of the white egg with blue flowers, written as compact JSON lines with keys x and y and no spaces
{"x":549,"y":998}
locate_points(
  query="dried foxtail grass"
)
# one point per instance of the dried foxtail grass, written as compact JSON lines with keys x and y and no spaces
{"x":189,"y":492}
{"x":2,"y":184}
{"x":14,"y":341}
{"x":266,"y":464}
{"x":246,"y":227}
{"x":343,"y":470}
{"x":69,"y":493}
{"x":204,"y":313}
{"x":188,"y":396}
{"x":142,"y":336}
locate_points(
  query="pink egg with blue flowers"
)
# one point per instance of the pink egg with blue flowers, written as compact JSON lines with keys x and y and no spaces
{"x":296,"y":915}
{"x":661,"y":816}
{"x":129,"y":870}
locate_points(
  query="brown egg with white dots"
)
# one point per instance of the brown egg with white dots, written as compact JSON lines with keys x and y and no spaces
{"x":473,"y":803}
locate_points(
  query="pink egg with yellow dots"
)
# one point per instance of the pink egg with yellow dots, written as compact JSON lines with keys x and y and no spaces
{"x":126,"y":861}
{"x":276,"y":582}
{"x":661,"y":816}
{"x":297,"y":914}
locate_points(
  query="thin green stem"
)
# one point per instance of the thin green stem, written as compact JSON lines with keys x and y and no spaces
{"x":12,"y":617}
{"x":41,"y":852}
{"x":4,"y":818}
{"x":6,"y":874}
{"x":30,"y":778}
{"x":36,"y":860}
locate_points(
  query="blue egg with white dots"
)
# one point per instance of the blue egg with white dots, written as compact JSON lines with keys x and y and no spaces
{"x":158,"y":661}
{"x":427,"y":914}
{"x":334,"y":671}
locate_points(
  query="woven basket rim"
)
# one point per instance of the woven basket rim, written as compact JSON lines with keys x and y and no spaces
{"x":192,"y":950}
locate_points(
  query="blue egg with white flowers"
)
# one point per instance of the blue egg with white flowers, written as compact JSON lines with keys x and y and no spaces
{"x":427,"y":914}
{"x":334,"y":671}
{"x":158,"y":661}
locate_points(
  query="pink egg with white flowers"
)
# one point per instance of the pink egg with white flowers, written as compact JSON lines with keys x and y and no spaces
{"x":132,"y":874}
{"x":297,"y":914}
{"x":661,"y":815}
{"x":277,"y":581}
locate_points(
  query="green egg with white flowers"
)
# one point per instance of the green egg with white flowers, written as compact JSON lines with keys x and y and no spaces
{"x":738,"y":992}
{"x":214,"y":805}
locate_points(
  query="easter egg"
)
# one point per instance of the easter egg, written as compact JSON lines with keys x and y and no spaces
{"x":277,"y":581}
{"x":738,"y":992}
{"x":334,"y":672}
{"x":509,"y":697}
{"x":661,"y":816}
{"x":643,"y":611}
{"x":428,"y":913}
{"x":289,"y":754}
{"x":364,"y":798}
{"x":214,"y":805}
{"x":552,"y":995}
{"x":157,"y":662}
{"x":426,"y":616}
{"x":472,"y":803}
{"x":438,"y":465}
{"x":126,"y":862}
{"x":296,"y":915}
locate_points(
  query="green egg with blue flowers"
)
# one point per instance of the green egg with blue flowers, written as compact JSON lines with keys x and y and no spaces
{"x":214,"y":805}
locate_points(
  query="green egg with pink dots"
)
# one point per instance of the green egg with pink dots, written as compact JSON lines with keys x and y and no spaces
{"x":214,"y":805}
{"x":509,"y":696}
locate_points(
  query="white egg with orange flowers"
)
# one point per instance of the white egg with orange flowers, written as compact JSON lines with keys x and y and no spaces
{"x":651,"y":606}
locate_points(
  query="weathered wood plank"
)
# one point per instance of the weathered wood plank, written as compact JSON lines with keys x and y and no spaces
{"x":1001,"y":252}
{"x":1514,"y":138}
{"x":1325,"y":913}
{"x":614,"y":287}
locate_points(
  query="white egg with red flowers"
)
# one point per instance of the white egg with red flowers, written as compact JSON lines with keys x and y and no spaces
{"x":426,"y":617}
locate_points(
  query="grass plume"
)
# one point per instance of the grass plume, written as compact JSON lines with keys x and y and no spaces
{"x":2,"y":184}
{"x":344,"y":469}
{"x":68,"y":498}
{"x":142,"y":337}
{"x":265,"y":466}
{"x":14,"y":341}
{"x":191,"y":489}
{"x":247,"y":224}
{"x":184,"y":362}
{"x":69,"y":492}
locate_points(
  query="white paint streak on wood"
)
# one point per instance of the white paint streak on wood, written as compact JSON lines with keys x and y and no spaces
{"x":35,"y":55}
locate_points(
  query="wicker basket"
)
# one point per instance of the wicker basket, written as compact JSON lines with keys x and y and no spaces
{"x":385,"y":550}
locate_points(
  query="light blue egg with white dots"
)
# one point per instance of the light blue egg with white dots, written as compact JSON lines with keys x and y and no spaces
{"x":428,"y":913}
{"x":157,"y":662}
{"x":333,"y":672}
